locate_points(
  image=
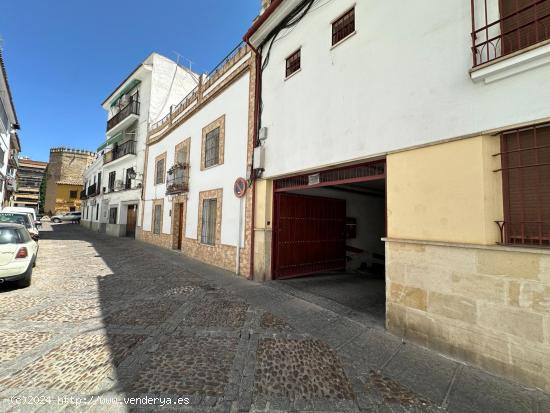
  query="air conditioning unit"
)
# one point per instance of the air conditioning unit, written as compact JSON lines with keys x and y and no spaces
{"x":118,"y":185}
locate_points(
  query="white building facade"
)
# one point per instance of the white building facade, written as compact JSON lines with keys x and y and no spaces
{"x":194,"y":157}
{"x":9,"y":140}
{"x":114,"y":182}
{"x":435,"y":115}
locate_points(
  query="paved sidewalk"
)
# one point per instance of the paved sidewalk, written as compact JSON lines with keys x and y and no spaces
{"x":107,"y":319}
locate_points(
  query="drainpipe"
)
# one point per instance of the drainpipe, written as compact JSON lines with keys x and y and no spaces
{"x":257,"y":93}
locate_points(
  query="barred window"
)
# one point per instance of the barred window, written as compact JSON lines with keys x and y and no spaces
{"x":159,"y":171}
{"x":112,"y":215}
{"x":212,"y":148}
{"x":293,"y":62}
{"x":72,"y":194}
{"x":112,"y":178}
{"x":524,"y":23}
{"x":526,"y":182}
{"x":209,"y":211}
{"x":343,"y":26}
{"x":157,"y":218}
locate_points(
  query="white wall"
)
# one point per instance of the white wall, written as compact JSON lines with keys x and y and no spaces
{"x":401,"y":80}
{"x":233,"y":103}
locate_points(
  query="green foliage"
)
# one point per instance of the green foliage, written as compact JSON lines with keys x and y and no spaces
{"x":42,"y":196}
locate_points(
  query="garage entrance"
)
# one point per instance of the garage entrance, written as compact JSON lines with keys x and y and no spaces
{"x":327,"y":230}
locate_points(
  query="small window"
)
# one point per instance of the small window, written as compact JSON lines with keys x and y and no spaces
{"x":293,"y":62}
{"x":113,"y":212}
{"x":157,"y":219}
{"x":159,"y":171}
{"x":72,"y":194}
{"x":209,"y":211}
{"x":128,"y":182}
{"x":112,"y":178}
{"x":212,"y":148}
{"x":343,"y":26}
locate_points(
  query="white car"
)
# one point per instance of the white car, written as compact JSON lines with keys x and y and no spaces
{"x":18,"y":254}
{"x":21,"y":210}
{"x":22,"y":219}
{"x":73,"y":216}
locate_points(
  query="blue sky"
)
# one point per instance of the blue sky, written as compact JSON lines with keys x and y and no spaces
{"x":64,"y":57}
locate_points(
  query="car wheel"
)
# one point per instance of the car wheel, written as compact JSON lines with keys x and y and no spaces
{"x":56,"y":220}
{"x":26,"y":281}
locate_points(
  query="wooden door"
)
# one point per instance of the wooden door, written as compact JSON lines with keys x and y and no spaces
{"x":180,"y":226}
{"x":309,"y":235}
{"x":131,"y":221}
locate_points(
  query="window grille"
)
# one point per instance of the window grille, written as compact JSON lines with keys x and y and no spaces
{"x":157,"y":219}
{"x":159,"y":172}
{"x":343,"y":27}
{"x":212,"y":148}
{"x":525,"y":156}
{"x":209,"y":211}
{"x":113,"y":215}
{"x":293,"y":63}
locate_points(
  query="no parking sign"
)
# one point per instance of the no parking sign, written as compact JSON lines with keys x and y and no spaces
{"x":239,"y":188}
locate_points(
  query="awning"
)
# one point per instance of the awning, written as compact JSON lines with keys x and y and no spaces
{"x":133,"y":83}
{"x":117,"y":138}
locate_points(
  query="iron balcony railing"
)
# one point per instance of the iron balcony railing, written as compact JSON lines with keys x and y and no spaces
{"x":93,"y":190}
{"x":177,"y":181}
{"x":131,"y":108}
{"x":500,"y":28}
{"x":83,"y":195}
{"x":118,"y":151}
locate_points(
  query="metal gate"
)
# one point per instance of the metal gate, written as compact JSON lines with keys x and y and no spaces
{"x":309,"y":235}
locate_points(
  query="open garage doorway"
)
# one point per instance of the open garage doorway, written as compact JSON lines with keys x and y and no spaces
{"x":327,"y":238}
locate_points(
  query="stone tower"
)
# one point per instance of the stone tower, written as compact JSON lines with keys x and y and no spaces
{"x":65,"y":179}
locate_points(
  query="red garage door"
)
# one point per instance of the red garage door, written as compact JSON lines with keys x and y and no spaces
{"x":309,"y":235}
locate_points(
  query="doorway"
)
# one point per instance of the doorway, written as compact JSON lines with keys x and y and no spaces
{"x":327,"y":236}
{"x":131,"y":221}
{"x":179,"y":225}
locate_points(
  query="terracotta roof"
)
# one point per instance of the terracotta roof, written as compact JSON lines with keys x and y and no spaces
{"x":70,"y":182}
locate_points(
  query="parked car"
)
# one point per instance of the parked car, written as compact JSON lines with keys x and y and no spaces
{"x":73,"y":216}
{"x":24,"y":210}
{"x":22,"y":219}
{"x":21,"y":210}
{"x":18,"y":254}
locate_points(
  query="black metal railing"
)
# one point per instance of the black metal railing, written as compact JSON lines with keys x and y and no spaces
{"x":518,"y":26}
{"x":118,"y":151}
{"x":131,"y":108}
{"x":177,"y":181}
{"x":83,"y":195}
{"x":92,"y":190}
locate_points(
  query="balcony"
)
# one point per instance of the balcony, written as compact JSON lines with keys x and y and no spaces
{"x":93,"y":190}
{"x":123,"y":118}
{"x":501,"y":28}
{"x":83,"y":195}
{"x":177,"y":181}
{"x":118,"y":151}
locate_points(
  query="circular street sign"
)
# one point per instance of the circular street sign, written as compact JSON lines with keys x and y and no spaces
{"x":239,"y":188}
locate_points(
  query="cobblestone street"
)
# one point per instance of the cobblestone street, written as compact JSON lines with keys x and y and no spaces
{"x":109,"y":318}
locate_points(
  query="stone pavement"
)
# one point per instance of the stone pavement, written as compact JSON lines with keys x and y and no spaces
{"x":118,"y":325}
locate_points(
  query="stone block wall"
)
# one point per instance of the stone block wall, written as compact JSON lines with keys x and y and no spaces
{"x":486,"y":305}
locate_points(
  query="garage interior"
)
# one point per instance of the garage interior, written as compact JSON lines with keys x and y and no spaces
{"x":327,"y":242}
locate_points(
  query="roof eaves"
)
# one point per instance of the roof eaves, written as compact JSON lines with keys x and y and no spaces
{"x":4,"y":73}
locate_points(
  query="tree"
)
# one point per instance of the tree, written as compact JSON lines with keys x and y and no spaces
{"x":42,"y":195}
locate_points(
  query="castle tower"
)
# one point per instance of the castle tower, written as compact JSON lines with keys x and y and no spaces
{"x":64,"y":179}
